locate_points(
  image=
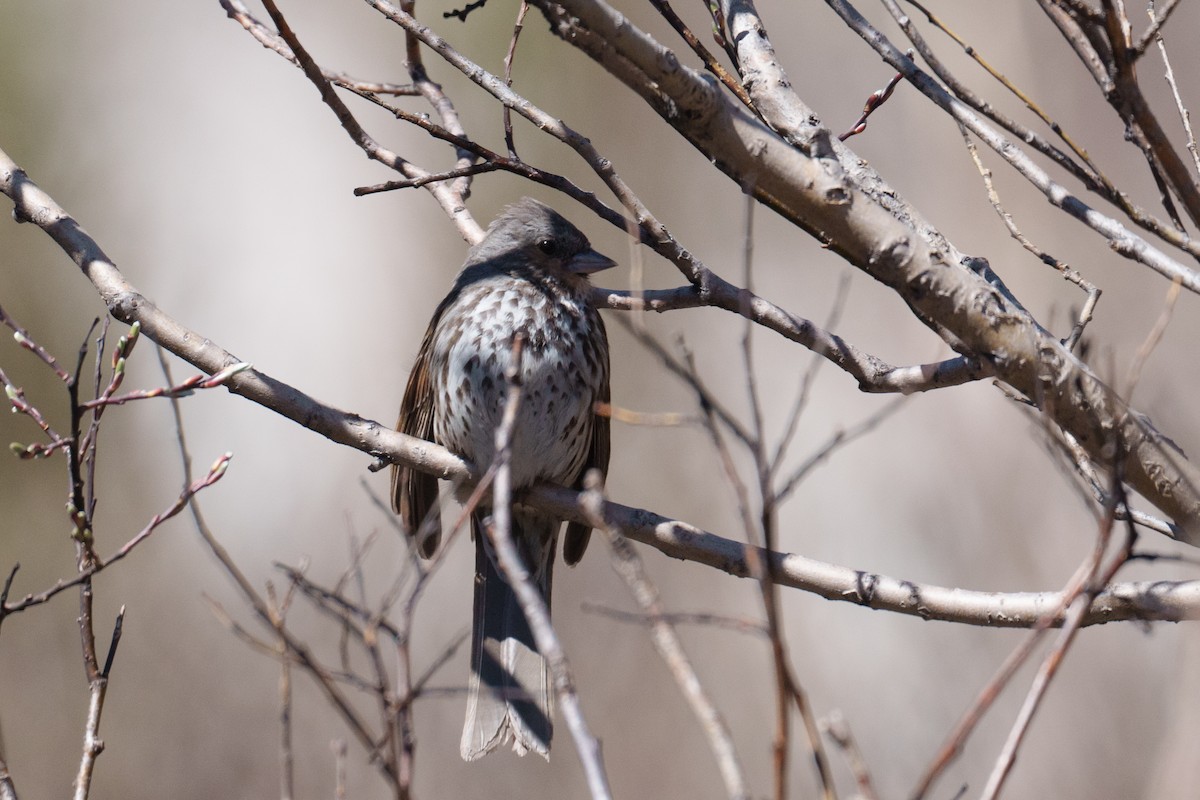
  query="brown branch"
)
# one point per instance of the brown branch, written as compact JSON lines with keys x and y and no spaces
{"x":26,"y":342}
{"x":787,"y":687}
{"x":710,"y":62}
{"x":93,"y":745}
{"x":1140,"y":120}
{"x":518,"y":26}
{"x":1071,"y":610}
{"x":85,"y":575}
{"x":1094,"y":574}
{"x":1119,"y":237}
{"x":1102,"y":44}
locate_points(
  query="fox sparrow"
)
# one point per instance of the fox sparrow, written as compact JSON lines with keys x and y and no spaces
{"x":527,"y":276}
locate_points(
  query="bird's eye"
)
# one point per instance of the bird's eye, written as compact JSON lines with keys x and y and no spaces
{"x":546,"y":246}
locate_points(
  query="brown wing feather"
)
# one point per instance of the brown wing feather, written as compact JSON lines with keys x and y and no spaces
{"x":415,"y":494}
{"x":576,"y":540}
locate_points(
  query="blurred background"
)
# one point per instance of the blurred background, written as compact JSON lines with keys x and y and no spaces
{"x":214,"y":177}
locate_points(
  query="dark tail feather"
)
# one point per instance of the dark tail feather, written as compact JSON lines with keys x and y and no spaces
{"x":510,"y":694}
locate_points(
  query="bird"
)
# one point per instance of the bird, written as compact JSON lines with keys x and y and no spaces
{"x":528,"y":276}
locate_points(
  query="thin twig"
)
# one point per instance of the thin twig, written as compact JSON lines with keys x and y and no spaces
{"x":183,"y":389}
{"x":676,"y":618}
{"x":533,"y":605}
{"x":93,"y":434}
{"x":215,"y":473}
{"x":1069,"y":274}
{"x":787,"y":688}
{"x":8,"y":581}
{"x":710,"y":62}
{"x":1086,"y":170}
{"x":1097,"y":576}
{"x":808,"y":380}
{"x":444,"y":193}
{"x":93,"y":745}
{"x":287,"y":759}
{"x":1123,"y":241}
{"x":956,"y":739}
{"x":425,"y":180}
{"x":22,"y":338}
{"x":339,"y":768}
{"x":839,"y":731}
{"x":1184,"y":116}
{"x":1152,"y":339}
{"x":508,"y":63}
{"x":628,"y":565}
{"x":295,"y":648}
{"x":874,"y":102}
{"x":837,"y":440}
{"x":1154,"y":32}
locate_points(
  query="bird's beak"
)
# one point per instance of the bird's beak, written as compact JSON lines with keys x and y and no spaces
{"x":590,"y":261}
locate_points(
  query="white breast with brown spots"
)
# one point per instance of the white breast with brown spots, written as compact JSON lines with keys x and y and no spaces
{"x":560,"y":370}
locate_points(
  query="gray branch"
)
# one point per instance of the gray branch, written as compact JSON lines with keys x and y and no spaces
{"x":787,"y":164}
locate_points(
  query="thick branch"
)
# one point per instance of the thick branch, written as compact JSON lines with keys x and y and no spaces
{"x":1118,"y":236}
{"x":842,"y":200}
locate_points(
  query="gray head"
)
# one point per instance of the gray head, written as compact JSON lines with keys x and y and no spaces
{"x":529,"y":233}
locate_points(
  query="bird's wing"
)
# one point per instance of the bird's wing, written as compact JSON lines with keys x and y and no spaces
{"x":415,"y":494}
{"x":576,"y":540}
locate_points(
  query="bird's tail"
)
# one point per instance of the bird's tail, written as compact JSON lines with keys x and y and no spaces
{"x":510,"y":695}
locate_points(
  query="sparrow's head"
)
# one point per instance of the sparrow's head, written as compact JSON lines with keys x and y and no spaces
{"x":533,"y":234}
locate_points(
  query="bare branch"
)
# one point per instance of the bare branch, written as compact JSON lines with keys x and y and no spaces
{"x":533,"y":605}
{"x":215,"y":473}
{"x":1120,"y":238}
{"x":445,"y":194}
{"x":1154,"y":32}
{"x":628,"y":565}
{"x":1092,"y":575}
{"x":851,"y":209}
{"x":1085,"y":170}
{"x":1093,"y":292}
{"x":839,"y":730}
{"x":1184,"y":116}
{"x":22,"y":338}
{"x":92,"y":743}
